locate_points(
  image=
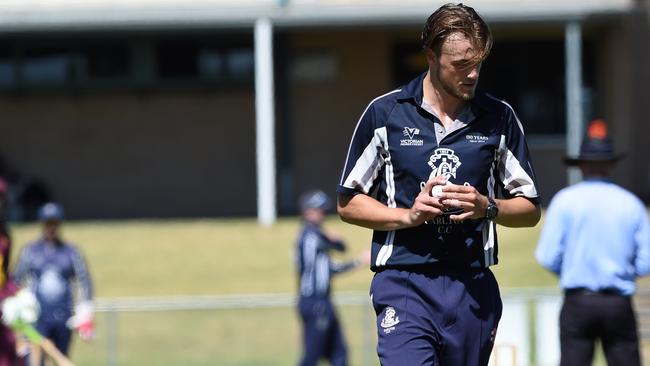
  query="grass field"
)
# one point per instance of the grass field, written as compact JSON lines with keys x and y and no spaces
{"x":228,"y":256}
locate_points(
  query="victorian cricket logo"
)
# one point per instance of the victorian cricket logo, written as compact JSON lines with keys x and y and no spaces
{"x":409,"y":139}
{"x":444,"y":162}
{"x":390,"y":320}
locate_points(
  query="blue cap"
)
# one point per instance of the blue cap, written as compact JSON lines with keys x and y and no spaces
{"x":50,"y":212}
{"x":315,"y":199}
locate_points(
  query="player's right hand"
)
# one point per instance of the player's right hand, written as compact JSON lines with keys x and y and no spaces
{"x":20,"y":308}
{"x":425,"y":206}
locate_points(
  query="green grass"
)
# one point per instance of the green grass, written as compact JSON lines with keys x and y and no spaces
{"x":229,"y":256}
{"x":148,"y":258}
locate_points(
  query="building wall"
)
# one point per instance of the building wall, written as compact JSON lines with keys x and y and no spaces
{"x":641,"y":101}
{"x":134,"y":155}
{"x":624,"y":75}
{"x":192,"y":153}
{"x":324,"y":113}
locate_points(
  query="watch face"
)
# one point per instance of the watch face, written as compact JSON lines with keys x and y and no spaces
{"x":491,"y":211}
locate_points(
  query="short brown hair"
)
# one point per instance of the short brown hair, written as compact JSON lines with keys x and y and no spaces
{"x":457,"y":18}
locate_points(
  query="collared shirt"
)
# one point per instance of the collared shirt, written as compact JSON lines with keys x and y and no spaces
{"x":50,"y":270}
{"x":314,"y":265}
{"x":463,"y":119}
{"x":395,"y":150}
{"x":596,"y":235}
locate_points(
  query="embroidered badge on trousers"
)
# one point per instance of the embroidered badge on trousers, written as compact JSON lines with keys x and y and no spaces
{"x":390,"y":320}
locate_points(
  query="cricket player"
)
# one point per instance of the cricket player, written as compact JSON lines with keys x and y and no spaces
{"x":432,"y":167}
{"x":596,"y":238}
{"x":322,"y":334}
{"x":50,"y":267}
{"x":7,"y":287}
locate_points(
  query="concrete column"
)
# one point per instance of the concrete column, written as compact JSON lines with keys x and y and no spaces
{"x":574,"y":102}
{"x":265,"y":122}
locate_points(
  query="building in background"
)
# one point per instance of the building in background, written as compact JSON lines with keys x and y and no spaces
{"x":148,"y":108}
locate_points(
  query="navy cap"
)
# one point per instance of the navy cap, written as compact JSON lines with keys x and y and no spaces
{"x":50,"y":212}
{"x":315,"y":199}
{"x":597,"y":146}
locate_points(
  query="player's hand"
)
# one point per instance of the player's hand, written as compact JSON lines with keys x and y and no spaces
{"x":20,"y":308}
{"x":86,"y":330}
{"x":425,"y":206}
{"x":364,"y":258}
{"x":83,"y":320}
{"x":334,"y":237}
{"x":467,"y":198}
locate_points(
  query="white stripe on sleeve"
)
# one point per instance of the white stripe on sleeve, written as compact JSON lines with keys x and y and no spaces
{"x":309,"y":257}
{"x":367,"y":167}
{"x":515,"y":179}
{"x":347,"y":157}
{"x":387,"y":249}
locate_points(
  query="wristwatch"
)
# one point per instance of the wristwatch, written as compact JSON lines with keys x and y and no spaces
{"x":491,"y":211}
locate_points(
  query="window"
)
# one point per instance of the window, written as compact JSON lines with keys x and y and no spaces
{"x":107,"y":61}
{"x":7,"y":66}
{"x":48,"y":66}
{"x":73,"y":65}
{"x":205,"y":61}
{"x":151,"y":61}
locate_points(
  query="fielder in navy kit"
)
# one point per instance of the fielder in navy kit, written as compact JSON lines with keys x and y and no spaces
{"x":432,"y":168}
{"x":49,"y":267}
{"x":322,"y":335}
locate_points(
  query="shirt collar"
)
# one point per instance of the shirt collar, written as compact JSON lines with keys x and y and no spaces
{"x":413,"y":92}
{"x":597,"y":179}
{"x":311,"y":225}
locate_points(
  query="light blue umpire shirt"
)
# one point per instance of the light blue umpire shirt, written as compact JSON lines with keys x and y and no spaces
{"x":596,"y":235}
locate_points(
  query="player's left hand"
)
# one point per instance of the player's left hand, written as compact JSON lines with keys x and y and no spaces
{"x":86,"y":330}
{"x":83,"y":320}
{"x":364,"y":257}
{"x":465,"y":197}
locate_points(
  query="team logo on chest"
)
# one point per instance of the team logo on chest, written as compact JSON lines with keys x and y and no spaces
{"x":409,"y":139}
{"x":444,"y":162}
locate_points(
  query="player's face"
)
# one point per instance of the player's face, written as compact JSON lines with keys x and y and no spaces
{"x":314,"y":215}
{"x":51,"y":229}
{"x":454,"y":70}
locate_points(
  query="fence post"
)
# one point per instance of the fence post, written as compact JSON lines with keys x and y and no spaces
{"x":111,"y":337}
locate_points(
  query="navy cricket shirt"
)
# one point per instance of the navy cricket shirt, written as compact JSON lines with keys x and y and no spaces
{"x":315,"y":266}
{"x":394,"y":151}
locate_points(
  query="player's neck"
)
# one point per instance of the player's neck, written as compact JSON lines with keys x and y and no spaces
{"x":446,"y":106}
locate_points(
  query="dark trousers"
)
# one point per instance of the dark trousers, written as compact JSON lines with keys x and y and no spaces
{"x":322,"y":335}
{"x":435,"y":318}
{"x":57,"y":332}
{"x":586,"y":317}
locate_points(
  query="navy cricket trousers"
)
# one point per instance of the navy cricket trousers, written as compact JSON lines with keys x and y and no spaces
{"x":435,"y":317}
{"x":322,"y":335}
{"x":52,"y":325}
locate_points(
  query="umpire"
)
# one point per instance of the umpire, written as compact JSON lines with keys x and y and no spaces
{"x":322,"y":335}
{"x":596,"y":238}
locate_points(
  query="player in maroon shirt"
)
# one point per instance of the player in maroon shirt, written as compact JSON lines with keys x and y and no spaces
{"x":7,"y":287}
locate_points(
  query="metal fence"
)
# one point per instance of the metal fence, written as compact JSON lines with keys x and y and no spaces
{"x":527,"y":333}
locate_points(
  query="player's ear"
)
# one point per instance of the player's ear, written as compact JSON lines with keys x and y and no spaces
{"x":432,"y":58}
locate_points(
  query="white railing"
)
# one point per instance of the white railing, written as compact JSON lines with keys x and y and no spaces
{"x":513,"y":346}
